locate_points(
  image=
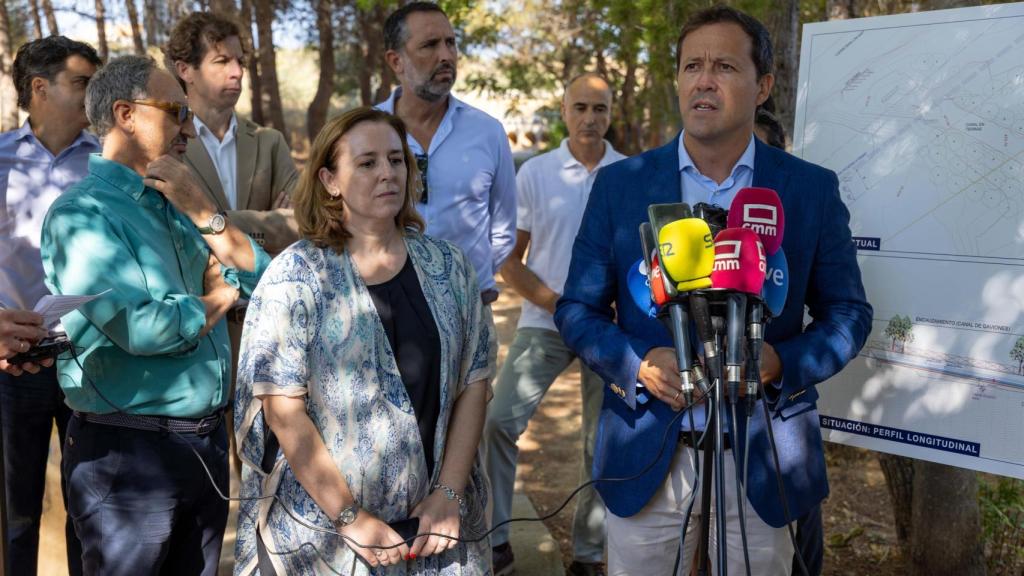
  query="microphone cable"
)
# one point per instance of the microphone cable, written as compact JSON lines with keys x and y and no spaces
{"x":740,"y":489}
{"x":672,"y":427}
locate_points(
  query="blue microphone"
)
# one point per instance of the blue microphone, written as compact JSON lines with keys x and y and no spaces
{"x":773,"y":300}
{"x":776,"y":283}
{"x":640,"y":288}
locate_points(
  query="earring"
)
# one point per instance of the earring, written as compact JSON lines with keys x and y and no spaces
{"x":334,"y":192}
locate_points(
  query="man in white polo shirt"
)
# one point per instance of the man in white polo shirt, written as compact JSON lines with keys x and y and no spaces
{"x":552,"y":193}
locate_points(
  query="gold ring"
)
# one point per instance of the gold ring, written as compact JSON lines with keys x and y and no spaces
{"x":678,"y":394}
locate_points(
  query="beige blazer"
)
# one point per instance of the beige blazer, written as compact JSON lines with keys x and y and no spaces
{"x":266,"y":176}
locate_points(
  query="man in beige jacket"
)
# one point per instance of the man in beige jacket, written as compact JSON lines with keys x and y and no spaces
{"x":245,"y":168}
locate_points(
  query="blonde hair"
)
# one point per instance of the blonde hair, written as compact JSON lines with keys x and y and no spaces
{"x":319,"y":215}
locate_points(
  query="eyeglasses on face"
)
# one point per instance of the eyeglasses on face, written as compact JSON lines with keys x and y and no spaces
{"x":421,"y":164}
{"x":180,"y":112}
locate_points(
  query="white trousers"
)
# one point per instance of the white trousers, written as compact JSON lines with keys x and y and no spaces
{"x":646,"y":544}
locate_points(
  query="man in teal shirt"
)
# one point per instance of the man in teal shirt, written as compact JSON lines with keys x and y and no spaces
{"x":149,"y":381}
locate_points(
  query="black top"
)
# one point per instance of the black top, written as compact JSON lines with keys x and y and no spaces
{"x":413,"y":336}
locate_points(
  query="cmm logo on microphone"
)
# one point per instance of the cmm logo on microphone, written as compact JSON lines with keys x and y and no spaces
{"x":727,"y":255}
{"x":761,"y":218}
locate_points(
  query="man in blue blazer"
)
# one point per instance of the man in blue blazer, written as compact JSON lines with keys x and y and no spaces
{"x":724,"y":66}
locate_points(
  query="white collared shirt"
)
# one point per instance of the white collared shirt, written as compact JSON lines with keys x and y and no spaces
{"x":471,"y":182}
{"x":31,"y":178}
{"x":224,"y":154}
{"x":553,"y":189}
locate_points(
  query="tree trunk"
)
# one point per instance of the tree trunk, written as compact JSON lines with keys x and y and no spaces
{"x":101,"y":31}
{"x":899,"y":478}
{"x":784,"y":24}
{"x":361,"y":45}
{"x":177,"y":9}
{"x":133,"y":20}
{"x":255,"y":86}
{"x":316,"y":115}
{"x":268,"y":65}
{"x":375,"y":55}
{"x":225,"y":7}
{"x":8,"y":94}
{"x":947,"y":536}
{"x":37,"y":22}
{"x":935,"y":538}
{"x":51,"y":18}
{"x":151,"y":23}
{"x":840,"y":9}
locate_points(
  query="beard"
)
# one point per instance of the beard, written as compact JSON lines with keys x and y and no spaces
{"x":433,"y":90}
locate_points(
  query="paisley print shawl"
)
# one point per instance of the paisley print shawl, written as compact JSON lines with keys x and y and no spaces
{"x":312,"y":331}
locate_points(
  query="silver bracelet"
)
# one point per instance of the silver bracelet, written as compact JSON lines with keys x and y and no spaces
{"x":451,"y":494}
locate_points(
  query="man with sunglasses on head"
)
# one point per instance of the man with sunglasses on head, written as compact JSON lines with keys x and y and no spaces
{"x":468,"y":180}
{"x":149,"y":381}
{"x":38,"y":162}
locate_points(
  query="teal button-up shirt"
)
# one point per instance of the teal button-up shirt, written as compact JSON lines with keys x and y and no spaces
{"x":139,"y":344}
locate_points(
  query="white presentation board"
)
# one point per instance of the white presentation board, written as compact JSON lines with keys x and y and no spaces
{"x":922,"y":118}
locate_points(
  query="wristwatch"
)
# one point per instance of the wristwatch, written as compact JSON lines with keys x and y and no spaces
{"x":218,"y":222}
{"x":451,"y":494}
{"x":347,"y":516}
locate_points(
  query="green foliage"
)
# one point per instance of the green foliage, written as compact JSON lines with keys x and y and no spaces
{"x":1002,"y":520}
{"x":1017,"y":353}
{"x":900,"y":329}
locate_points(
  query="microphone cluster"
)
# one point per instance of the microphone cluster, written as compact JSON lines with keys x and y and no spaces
{"x":728,"y":280}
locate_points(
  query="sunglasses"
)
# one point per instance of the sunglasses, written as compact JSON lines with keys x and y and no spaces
{"x":180,"y":112}
{"x":421,"y":164}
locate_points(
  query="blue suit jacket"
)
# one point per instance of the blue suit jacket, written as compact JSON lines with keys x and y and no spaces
{"x":824,"y":276}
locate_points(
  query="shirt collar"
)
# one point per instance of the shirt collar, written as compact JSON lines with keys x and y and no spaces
{"x":389,"y":104}
{"x":746,"y":159}
{"x":202,"y":128}
{"x":84,"y":137}
{"x":117,"y":175}
{"x":568,"y":160}
{"x":24,"y":132}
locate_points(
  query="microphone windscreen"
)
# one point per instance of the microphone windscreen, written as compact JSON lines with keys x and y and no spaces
{"x":714,"y":215}
{"x":687,"y":253}
{"x":739,"y":261}
{"x":659,"y":293}
{"x":640,"y":289}
{"x":759,"y":210}
{"x":776,"y":283}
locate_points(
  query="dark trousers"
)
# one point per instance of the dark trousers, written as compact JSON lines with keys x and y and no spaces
{"x":810,"y":541}
{"x":30,"y":404}
{"x":141,"y":501}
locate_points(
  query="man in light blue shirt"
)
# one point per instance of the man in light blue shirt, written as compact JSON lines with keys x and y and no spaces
{"x":149,"y":380}
{"x":468,"y":186}
{"x":38,"y":162}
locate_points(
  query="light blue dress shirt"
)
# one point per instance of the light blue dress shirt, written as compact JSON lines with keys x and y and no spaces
{"x":139,"y":343}
{"x":698,"y":188}
{"x":31,"y":178}
{"x":471,"y":180}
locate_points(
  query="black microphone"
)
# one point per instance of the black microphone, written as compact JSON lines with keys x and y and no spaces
{"x":755,"y":342}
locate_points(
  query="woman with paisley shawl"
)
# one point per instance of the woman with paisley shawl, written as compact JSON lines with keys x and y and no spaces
{"x":365,"y":370}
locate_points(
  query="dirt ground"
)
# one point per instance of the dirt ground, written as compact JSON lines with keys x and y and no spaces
{"x":859,"y":533}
